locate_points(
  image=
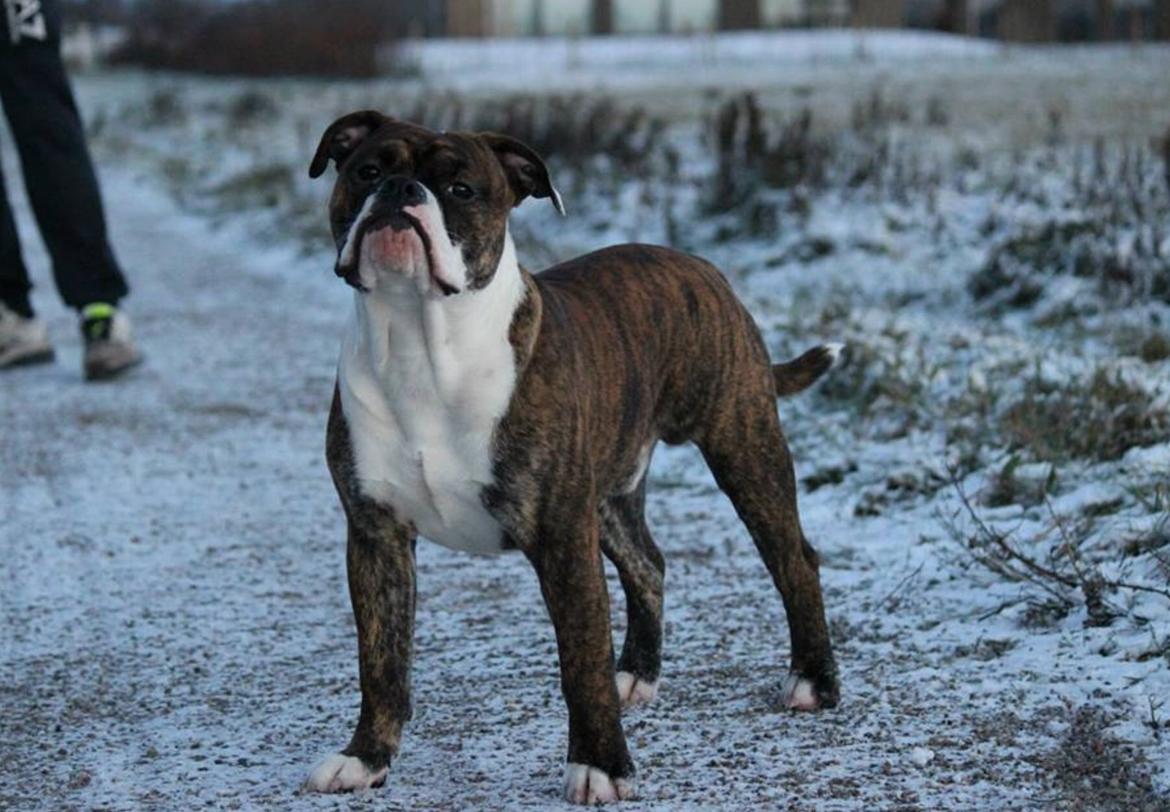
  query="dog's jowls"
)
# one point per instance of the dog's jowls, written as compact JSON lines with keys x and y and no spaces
{"x":489,"y":409}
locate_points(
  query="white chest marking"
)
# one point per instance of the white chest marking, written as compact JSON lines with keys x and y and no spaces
{"x":424,"y":379}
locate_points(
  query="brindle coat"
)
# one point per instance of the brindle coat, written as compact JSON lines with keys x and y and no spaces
{"x":615,"y":351}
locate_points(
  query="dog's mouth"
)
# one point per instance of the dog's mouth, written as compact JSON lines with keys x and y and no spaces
{"x":396,"y":221}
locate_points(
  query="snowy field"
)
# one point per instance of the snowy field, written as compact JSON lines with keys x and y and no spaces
{"x":985,"y":476}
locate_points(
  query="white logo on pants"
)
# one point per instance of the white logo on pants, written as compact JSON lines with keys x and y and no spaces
{"x":26,"y":20}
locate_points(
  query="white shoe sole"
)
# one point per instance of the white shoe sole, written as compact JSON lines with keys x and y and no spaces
{"x":27,"y":358}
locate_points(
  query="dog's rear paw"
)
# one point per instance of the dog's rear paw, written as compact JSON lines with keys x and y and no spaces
{"x":801,"y":693}
{"x":589,"y":785}
{"x":633,"y":690}
{"x":341,"y":773}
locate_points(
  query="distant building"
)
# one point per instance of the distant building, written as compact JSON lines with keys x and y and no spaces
{"x":820,"y":13}
{"x":1075,"y":20}
{"x":1011,"y":20}
{"x":504,"y":18}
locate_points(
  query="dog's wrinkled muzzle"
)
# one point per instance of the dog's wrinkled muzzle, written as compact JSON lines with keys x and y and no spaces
{"x":349,"y":256}
{"x":348,"y":261}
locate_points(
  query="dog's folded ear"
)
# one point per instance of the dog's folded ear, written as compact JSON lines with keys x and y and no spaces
{"x":527,"y":174}
{"x":342,"y":137}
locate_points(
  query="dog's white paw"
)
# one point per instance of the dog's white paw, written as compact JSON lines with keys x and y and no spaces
{"x":634,"y":691}
{"x":340,"y":773}
{"x":589,"y":785}
{"x":798,"y":693}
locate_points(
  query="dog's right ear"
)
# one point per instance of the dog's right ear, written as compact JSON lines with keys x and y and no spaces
{"x":343,"y":137}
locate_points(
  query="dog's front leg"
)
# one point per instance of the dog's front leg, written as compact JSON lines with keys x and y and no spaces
{"x":567,"y":558}
{"x":380,"y":564}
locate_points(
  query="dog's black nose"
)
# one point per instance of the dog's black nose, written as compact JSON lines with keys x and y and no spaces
{"x":403,"y":191}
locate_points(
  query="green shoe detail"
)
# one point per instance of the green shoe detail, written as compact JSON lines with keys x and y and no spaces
{"x":97,"y":310}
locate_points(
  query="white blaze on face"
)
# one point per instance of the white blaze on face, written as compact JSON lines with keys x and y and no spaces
{"x":403,"y":254}
{"x":446,"y":258}
{"x":346,"y":257}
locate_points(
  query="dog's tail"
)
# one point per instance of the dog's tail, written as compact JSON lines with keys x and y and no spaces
{"x":800,"y":373}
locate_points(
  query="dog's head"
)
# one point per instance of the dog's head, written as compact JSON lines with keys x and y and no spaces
{"x":431,"y":207}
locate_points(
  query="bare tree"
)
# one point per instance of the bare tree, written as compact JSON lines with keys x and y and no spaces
{"x":737,"y":15}
{"x":1162,"y":19}
{"x":467,"y":18}
{"x":602,"y":16}
{"x":1105,"y":12}
{"x":956,"y":17}
{"x":1026,"y":21}
{"x":1135,"y":24}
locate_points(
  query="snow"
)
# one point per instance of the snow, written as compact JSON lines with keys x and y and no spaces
{"x":174,"y":621}
{"x":530,"y":60}
{"x":921,"y":756}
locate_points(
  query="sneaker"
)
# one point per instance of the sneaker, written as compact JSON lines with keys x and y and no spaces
{"x":109,"y":347}
{"x":23,"y":340}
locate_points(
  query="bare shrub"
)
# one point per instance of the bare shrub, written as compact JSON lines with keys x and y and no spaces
{"x":878,"y":111}
{"x":1054,"y":561}
{"x":260,"y":37}
{"x":571,"y":129}
{"x":752,"y":153}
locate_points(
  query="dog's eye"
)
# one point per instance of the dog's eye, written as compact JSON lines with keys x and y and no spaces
{"x":461,"y":191}
{"x":370,"y":172}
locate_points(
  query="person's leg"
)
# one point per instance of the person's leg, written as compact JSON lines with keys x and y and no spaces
{"x":14,"y":281}
{"x":62,"y":186}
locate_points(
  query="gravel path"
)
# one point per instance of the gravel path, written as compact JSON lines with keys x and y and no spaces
{"x":176,"y":632}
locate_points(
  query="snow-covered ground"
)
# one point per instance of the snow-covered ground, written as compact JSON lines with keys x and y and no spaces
{"x":174,"y":622}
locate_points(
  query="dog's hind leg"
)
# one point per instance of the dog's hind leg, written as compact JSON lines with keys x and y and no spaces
{"x":626,"y":541}
{"x":746,"y":451}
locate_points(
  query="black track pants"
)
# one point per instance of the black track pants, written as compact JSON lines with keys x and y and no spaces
{"x":62,"y":187}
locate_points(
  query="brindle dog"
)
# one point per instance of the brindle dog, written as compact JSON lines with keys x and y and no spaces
{"x":486,"y":408}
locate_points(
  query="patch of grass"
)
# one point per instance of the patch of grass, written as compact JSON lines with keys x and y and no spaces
{"x":261,"y":187}
{"x":165,"y":108}
{"x":1153,"y":496}
{"x":899,"y":488}
{"x":1147,"y":342}
{"x":1009,"y":486}
{"x":1099,"y":418}
{"x":250,"y":108}
{"x":986,"y":650}
{"x":829,"y":475}
{"x":1155,"y":348}
{"x":1107,"y":223}
{"x":1152,"y":540}
{"x":885,"y":381}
